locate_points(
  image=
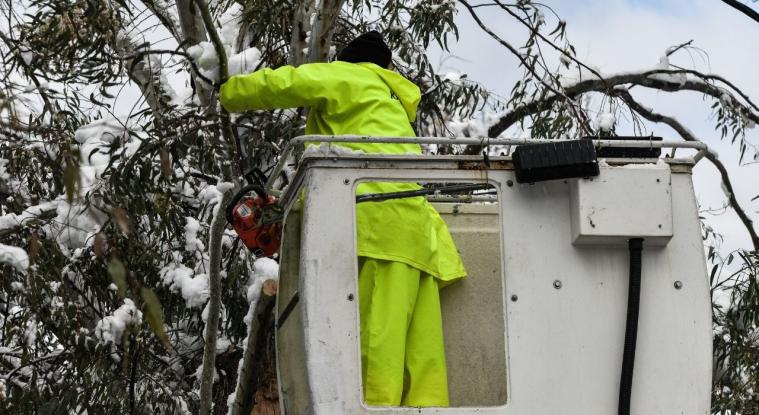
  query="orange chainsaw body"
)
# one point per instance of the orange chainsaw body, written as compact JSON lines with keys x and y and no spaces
{"x":258,"y":224}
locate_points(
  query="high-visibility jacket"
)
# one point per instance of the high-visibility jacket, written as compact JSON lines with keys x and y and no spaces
{"x":361,"y":99}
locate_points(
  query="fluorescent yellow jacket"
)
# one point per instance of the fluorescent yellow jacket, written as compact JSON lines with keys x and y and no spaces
{"x":361,"y":99}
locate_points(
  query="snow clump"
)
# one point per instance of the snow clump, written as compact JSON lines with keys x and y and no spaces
{"x":674,"y":78}
{"x":606,"y":122}
{"x":264,"y":269}
{"x":180,"y":279}
{"x":15,"y":257}
{"x":191,"y":229}
{"x":111,"y":328}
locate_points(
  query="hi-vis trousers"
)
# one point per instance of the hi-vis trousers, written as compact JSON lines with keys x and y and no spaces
{"x":402,"y":351}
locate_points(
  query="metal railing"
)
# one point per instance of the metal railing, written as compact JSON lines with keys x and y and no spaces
{"x":702,"y":148}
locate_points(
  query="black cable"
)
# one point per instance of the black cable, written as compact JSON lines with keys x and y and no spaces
{"x":635,"y":246}
{"x":444,"y":190}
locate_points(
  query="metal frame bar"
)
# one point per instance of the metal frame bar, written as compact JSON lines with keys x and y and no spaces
{"x":702,"y":148}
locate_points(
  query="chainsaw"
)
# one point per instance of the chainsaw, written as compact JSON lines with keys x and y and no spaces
{"x":257,"y":219}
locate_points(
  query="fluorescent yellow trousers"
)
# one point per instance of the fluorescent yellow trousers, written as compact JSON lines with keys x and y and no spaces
{"x":402,"y":351}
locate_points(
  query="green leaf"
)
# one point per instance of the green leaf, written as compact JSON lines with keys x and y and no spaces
{"x":151,"y":306}
{"x":117,"y":271}
{"x":711,"y":276}
{"x":71,"y":180}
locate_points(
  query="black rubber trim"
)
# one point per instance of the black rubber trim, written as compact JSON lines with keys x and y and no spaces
{"x":288,"y":309}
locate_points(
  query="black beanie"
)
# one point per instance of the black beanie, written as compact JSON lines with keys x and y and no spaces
{"x":368,"y":47}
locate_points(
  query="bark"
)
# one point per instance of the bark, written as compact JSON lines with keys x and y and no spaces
{"x":323,"y":29}
{"x":301,"y":26}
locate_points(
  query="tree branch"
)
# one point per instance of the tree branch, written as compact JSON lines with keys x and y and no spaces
{"x":688,"y":135}
{"x":748,"y":11}
{"x":218,"y":224}
{"x":161,"y":10}
{"x":258,"y":312}
{"x":139,"y":70}
{"x":646,"y":79}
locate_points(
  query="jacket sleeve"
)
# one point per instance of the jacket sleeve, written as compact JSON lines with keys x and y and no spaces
{"x":284,"y":87}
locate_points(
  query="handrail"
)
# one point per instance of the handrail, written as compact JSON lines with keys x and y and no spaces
{"x":702,"y":148}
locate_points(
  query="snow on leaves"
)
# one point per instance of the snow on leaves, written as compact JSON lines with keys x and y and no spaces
{"x":15,"y":257}
{"x":112,"y":327}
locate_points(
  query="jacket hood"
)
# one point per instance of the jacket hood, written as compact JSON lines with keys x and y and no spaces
{"x":406,"y":91}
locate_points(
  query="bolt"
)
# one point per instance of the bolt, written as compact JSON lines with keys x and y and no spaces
{"x":557,"y":284}
{"x":346,"y":181}
{"x":455,"y":210}
{"x":678,"y":285}
{"x":514,"y":298}
{"x":660,"y":226}
{"x":350,"y":297}
{"x":658,"y":180}
{"x":509,"y":183}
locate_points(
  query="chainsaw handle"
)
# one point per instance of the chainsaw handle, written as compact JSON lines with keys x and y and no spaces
{"x":239,"y":195}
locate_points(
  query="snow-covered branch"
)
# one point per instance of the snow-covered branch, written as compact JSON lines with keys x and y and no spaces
{"x":11,"y":222}
{"x":193,"y":32}
{"x":661,"y":79}
{"x":218,"y":224}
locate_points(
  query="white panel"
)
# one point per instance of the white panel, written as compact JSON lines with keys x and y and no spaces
{"x":621,"y":203}
{"x":564,"y":345}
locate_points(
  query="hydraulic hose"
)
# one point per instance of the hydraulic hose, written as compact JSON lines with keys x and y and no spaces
{"x":635,"y":246}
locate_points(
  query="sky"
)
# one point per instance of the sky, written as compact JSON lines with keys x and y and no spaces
{"x":627,"y":35}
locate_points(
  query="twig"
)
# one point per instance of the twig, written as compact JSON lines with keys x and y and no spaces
{"x":193,"y":65}
{"x":671,"y":51}
{"x":527,"y":66}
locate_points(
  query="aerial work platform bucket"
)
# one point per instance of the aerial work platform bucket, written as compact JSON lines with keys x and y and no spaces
{"x":538,"y":326}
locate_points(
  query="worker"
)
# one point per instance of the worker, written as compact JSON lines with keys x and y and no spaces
{"x":405,"y":252}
